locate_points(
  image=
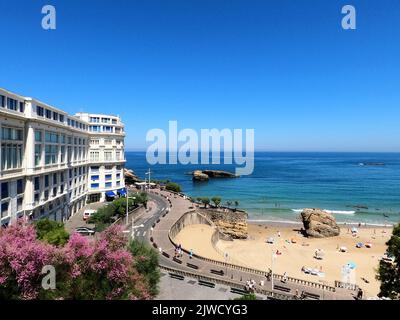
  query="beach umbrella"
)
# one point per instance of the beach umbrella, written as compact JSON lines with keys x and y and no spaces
{"x":352,"y":265}
{"x":354,"y":230}
{"x":359,"y":245}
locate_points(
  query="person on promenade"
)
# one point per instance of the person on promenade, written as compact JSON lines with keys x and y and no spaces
{"x":284,"y":279}
{"x":191,"y":254}
{"x":360,"y":294}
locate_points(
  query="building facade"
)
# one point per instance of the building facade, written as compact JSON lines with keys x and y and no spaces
{"x":50,"y":162}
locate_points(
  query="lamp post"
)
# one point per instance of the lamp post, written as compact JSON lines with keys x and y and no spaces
{"x":148,"y":173}
{"x":127,"y":207}
{"x":273,"y":256}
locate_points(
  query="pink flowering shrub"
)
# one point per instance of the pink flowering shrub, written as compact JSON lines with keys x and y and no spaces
{"x":85,"y":268}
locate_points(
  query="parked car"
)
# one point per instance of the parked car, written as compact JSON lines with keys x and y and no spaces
{"x":85,"y":231}
{"x":88,"y":213}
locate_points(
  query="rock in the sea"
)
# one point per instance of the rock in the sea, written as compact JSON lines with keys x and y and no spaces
{"x":205,"y":175}
{"x":198,"y":175}
{"x":319,"y":224}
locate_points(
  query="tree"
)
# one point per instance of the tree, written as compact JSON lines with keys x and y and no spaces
{"x":172,"y":186}
{"x":205,"y":201}
{"x":146,"y":262}
{"x":216,"y":200}
{"x":86,"y":268}
{"x":22,"y":258}
{"x":52,"y":232}
{"x":389,"y":272}
{"x":236,"y":204}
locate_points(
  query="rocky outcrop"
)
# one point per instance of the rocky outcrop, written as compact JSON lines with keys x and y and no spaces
{"x":319,"y":224}
{"x":198,"y":175}
{"x":131,"y":177}
{"x":205,"y":175}
{"x":233,"y":224}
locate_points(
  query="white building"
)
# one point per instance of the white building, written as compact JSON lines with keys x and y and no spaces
{"x":52,"y":163}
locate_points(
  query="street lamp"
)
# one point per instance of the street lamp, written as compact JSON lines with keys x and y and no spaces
{"x":127,"y":207}
{"x":148,"y":173}
{"x":273,"y":257}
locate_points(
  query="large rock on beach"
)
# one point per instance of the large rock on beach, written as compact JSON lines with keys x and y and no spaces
{"x":231,"y":223}
{"x":319,"y":224}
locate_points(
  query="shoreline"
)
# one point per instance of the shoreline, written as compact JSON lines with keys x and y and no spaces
{"x":287,"y":223}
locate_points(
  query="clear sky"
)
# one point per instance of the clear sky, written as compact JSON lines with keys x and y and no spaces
{"x":285,"y":68}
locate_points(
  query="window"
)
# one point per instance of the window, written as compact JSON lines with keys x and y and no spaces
{"x":21,"y":107}
{"x":55,"y":116}
{"x":94,"y":185}
{"x":94,"y":156}
{"x":12,"y":104}
{"x":114,"y":121}
{"x":95,"y":128}
{"x":118,"y":155}
{"x":20,"y":186}
{"x":38,"y":154}
{"x":4,"y":209}
{"x":62,"y":138}
{"x":11,"y":151}
{"x":54,"y":178}
{"x":51,"y":137}
{"x":11,"y":134}
{"x":107,"y":129}
{"x":94,"y":169}
{"x":108,"y":167}
{"x":108,"y":184}
{"x":94,"y":178}
{"x":108,"y":156}
{"x":94,"y":141}
{"x":39,"y":111}
{"x":48,"y":114}
{"x":51,"y":152}
{"x":118,"y":183}
{"x":62,"y":160}
{"x":2,"y":101}
{"x":38,"y":136}
{"x":107,"y":141}
{"x":4,"y":190}
{"x":19,"y":203}
{"x":118,"y":175}
{"x":108,"y":176}
{"x":46,"y":181}
{"x":61,"y":118}
{"x":37,"y":183}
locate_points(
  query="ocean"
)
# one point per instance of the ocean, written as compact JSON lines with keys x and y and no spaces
{"x":354,"y":187}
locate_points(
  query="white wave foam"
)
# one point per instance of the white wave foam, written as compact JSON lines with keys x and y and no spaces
{"x":330,"y":211}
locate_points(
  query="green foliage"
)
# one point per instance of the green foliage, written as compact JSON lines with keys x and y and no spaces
{"x":172,"y":186}
{"x":247,"y":296}
{"x":216,"y":200}
{"x":388,"y":272}
{"x":51,"y":232}
{"x":146,"y":263}
{"x":205,"y":201}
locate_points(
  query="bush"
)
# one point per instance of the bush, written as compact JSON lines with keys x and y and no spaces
{"x":247,"y":296}
{"x":52,"y":232}
{"x":172,"y":186}
{"x":146,"y":263}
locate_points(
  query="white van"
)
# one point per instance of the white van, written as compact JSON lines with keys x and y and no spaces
{"x":88,"y":213}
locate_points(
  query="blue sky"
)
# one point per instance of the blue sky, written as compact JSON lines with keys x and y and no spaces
{"x":285,"y":68}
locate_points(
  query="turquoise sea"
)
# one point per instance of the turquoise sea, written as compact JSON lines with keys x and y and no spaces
{"x":355,"y":187}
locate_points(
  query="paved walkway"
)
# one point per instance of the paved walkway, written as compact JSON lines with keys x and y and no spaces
{"x":161,"y":238}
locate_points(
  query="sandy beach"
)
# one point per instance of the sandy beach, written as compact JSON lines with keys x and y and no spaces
{"x":255,"y":252}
